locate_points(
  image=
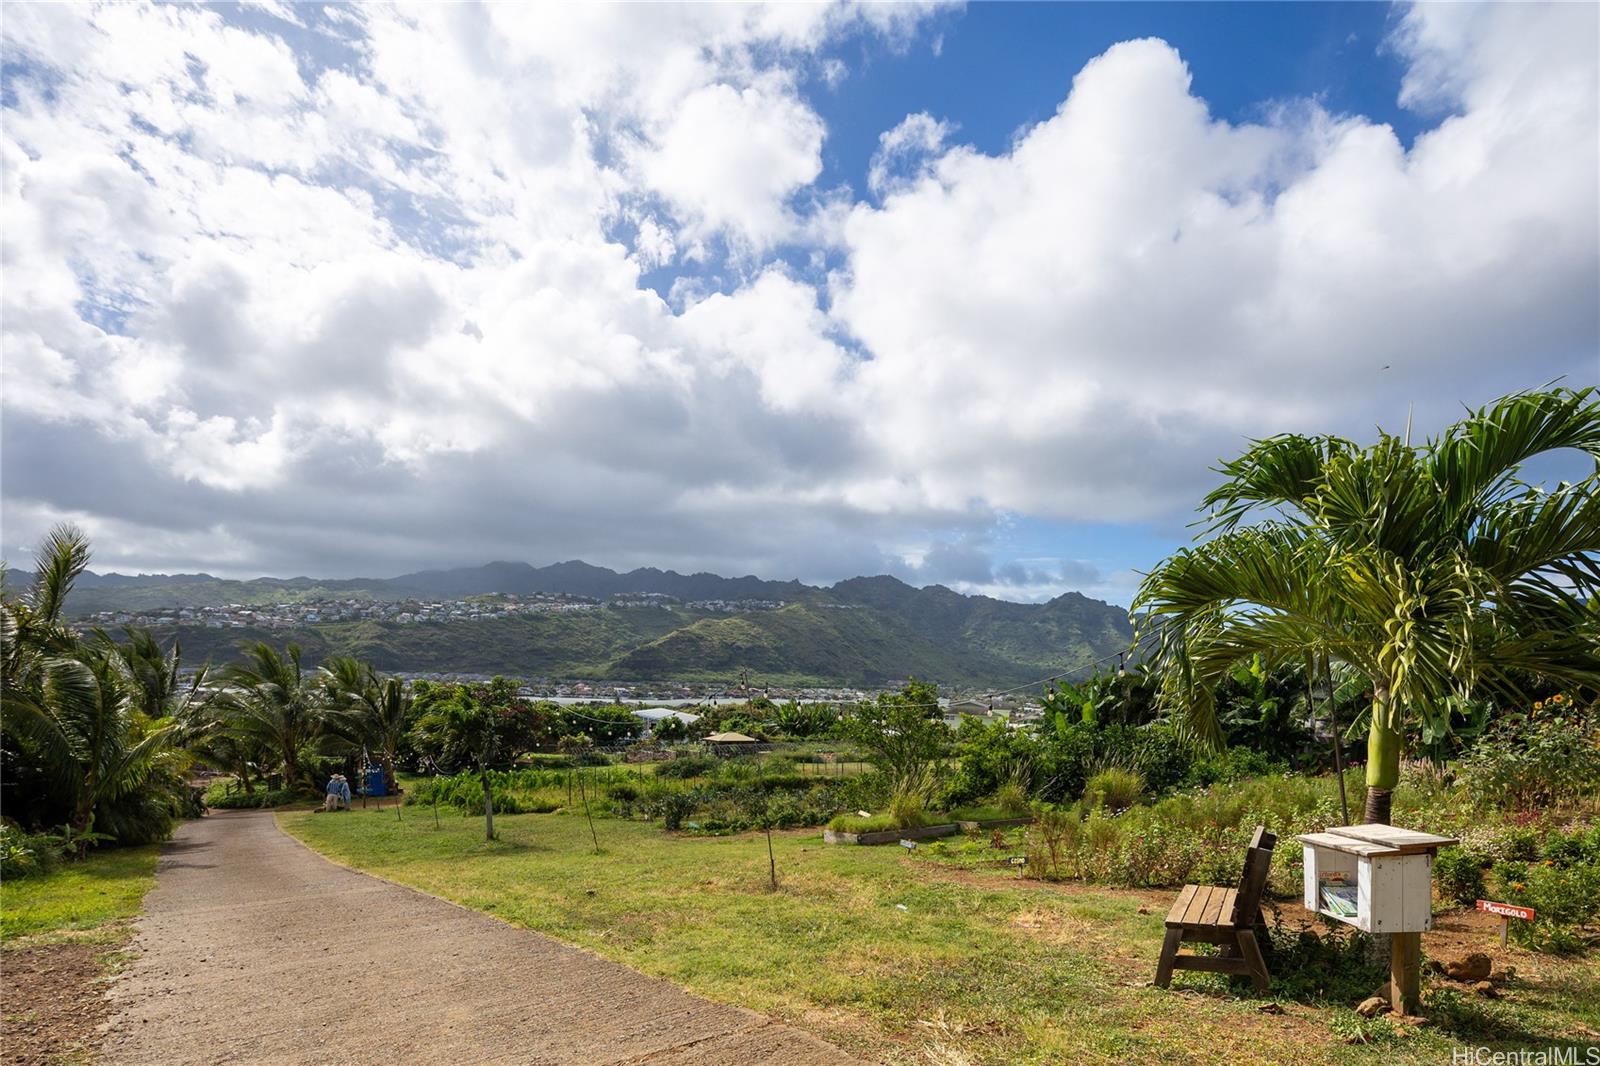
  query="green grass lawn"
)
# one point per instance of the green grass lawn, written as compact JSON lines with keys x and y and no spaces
{"x":902,"y":959}
{"x":105,"y":887}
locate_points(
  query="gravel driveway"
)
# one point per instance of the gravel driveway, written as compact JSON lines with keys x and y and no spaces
{"x":254,"y":949}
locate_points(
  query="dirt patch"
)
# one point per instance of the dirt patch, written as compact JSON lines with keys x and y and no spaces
{"x":999,"y":878}
{"x":255,"y":949}
{"x":53,"y":1003}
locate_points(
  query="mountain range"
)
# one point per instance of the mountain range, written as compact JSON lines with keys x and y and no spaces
{"x":861,"y":631}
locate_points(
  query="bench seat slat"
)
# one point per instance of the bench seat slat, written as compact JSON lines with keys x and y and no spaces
{"x":1198,"y":905}
{"x":1181,"y":904}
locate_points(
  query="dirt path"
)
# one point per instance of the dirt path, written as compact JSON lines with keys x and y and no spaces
{"x":255,"y":949}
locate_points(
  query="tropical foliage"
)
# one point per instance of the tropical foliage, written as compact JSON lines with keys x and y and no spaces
{"x":1431,"y":570}
{"x":89,"y":729}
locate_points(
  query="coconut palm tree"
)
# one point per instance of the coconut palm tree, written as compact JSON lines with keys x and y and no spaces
{"x":77,"y":715}
{"x":83,"y":729}
{"x":31,"y":630}
{"x":370,"y":709}
{"x":160,"y":689}
{"x":1433,"y":570}
{"x":273,"y":701}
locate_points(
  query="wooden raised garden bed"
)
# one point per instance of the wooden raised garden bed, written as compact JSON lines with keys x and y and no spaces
{"x":927,"y":832}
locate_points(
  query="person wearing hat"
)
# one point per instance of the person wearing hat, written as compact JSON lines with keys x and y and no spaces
{"x":338,"y":798}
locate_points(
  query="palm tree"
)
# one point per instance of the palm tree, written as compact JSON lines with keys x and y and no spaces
{"x":160,"y":689}
{"x":31,"y":630}
{"x":371,"y":710}
{"x":271,"y":700}
{"x":78,"y":712}
{"x":1433,"y":570}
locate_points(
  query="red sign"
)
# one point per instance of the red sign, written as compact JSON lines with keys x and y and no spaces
{"x":1506,"y":910}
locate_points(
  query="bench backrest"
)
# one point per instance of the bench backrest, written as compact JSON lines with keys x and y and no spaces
{"x":1253,"y":881}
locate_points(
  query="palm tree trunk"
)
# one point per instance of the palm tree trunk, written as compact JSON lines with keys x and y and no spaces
{"x":389,"y":782}
{"x":83,"y":818}
{"x":1383,"y":760}
{"x":488,"y":806}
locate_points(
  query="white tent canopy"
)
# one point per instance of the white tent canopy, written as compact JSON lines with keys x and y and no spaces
{"x":654,"y":715}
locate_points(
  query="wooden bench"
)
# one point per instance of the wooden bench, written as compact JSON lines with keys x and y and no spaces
{"x":1228,"y":916}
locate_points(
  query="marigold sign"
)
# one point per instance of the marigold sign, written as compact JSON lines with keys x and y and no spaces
{"x":1506,"y":910}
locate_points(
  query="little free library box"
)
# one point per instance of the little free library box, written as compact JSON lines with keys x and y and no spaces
{"x":1378,"y":878}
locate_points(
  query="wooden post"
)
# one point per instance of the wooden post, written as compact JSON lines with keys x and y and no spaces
{"x":585,"y":793}
{"x":1405,"y":972}
{"x":772,"y":863}
{"x":1505,"y":929}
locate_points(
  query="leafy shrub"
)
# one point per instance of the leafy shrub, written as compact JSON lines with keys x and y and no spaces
{"x":280,"y":797}
{"x":672,"y":806}
{"x":864,"y":792}
{"x":27,"y":854}
{"x":779,"y":782}
{"x":1518,"y":843}
{"x":1567,"y":849}
{"x":1564,"y":899}
{"x":1232,"y":764}
{"x":1547,"y":758}
{"x":854,"y":823}
{"x":1459,"y":876}
{"x":1161,"y":754}
{"x":1114,"y":788}
{"x":981,"y":812}
{"x":993,"y":755}
{"x":1326,"y":968}
{"x":686,"y":766}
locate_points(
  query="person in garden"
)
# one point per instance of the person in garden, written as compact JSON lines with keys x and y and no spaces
{"x":338,"y":798}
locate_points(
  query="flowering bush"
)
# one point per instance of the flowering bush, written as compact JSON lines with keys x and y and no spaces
{"x":1565,"y":900}
{"x":1549,"y":757}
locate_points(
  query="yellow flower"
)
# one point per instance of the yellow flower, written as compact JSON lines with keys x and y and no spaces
{"x":1516,"y":886}
{"x":1538,"y":705}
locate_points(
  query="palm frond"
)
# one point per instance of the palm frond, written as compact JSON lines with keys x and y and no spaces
{"x":61,"y":557}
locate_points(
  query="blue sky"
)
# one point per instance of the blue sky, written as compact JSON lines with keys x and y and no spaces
{"x":1003,"y":66}
{"x":969,"y":294}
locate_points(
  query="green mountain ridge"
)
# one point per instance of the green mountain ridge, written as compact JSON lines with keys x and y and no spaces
{"x":862,"y":631}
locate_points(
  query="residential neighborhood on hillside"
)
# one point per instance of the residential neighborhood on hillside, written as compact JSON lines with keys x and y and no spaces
{"x":291,"y":614}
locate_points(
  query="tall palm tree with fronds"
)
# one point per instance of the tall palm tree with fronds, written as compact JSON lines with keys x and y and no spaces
{"x":31,"y":627}
{"x":73,"y":709}
{"x":369,"y":709}
{"x":270,"y":698}
{"x":1434,"y":570}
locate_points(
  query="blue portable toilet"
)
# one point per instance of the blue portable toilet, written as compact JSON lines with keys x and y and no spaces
{"x":375,"y":781}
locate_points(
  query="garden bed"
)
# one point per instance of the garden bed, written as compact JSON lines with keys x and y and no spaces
{"x":891,"y":836}
{"x":927,"y":832}
{"x":970,"y":826}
